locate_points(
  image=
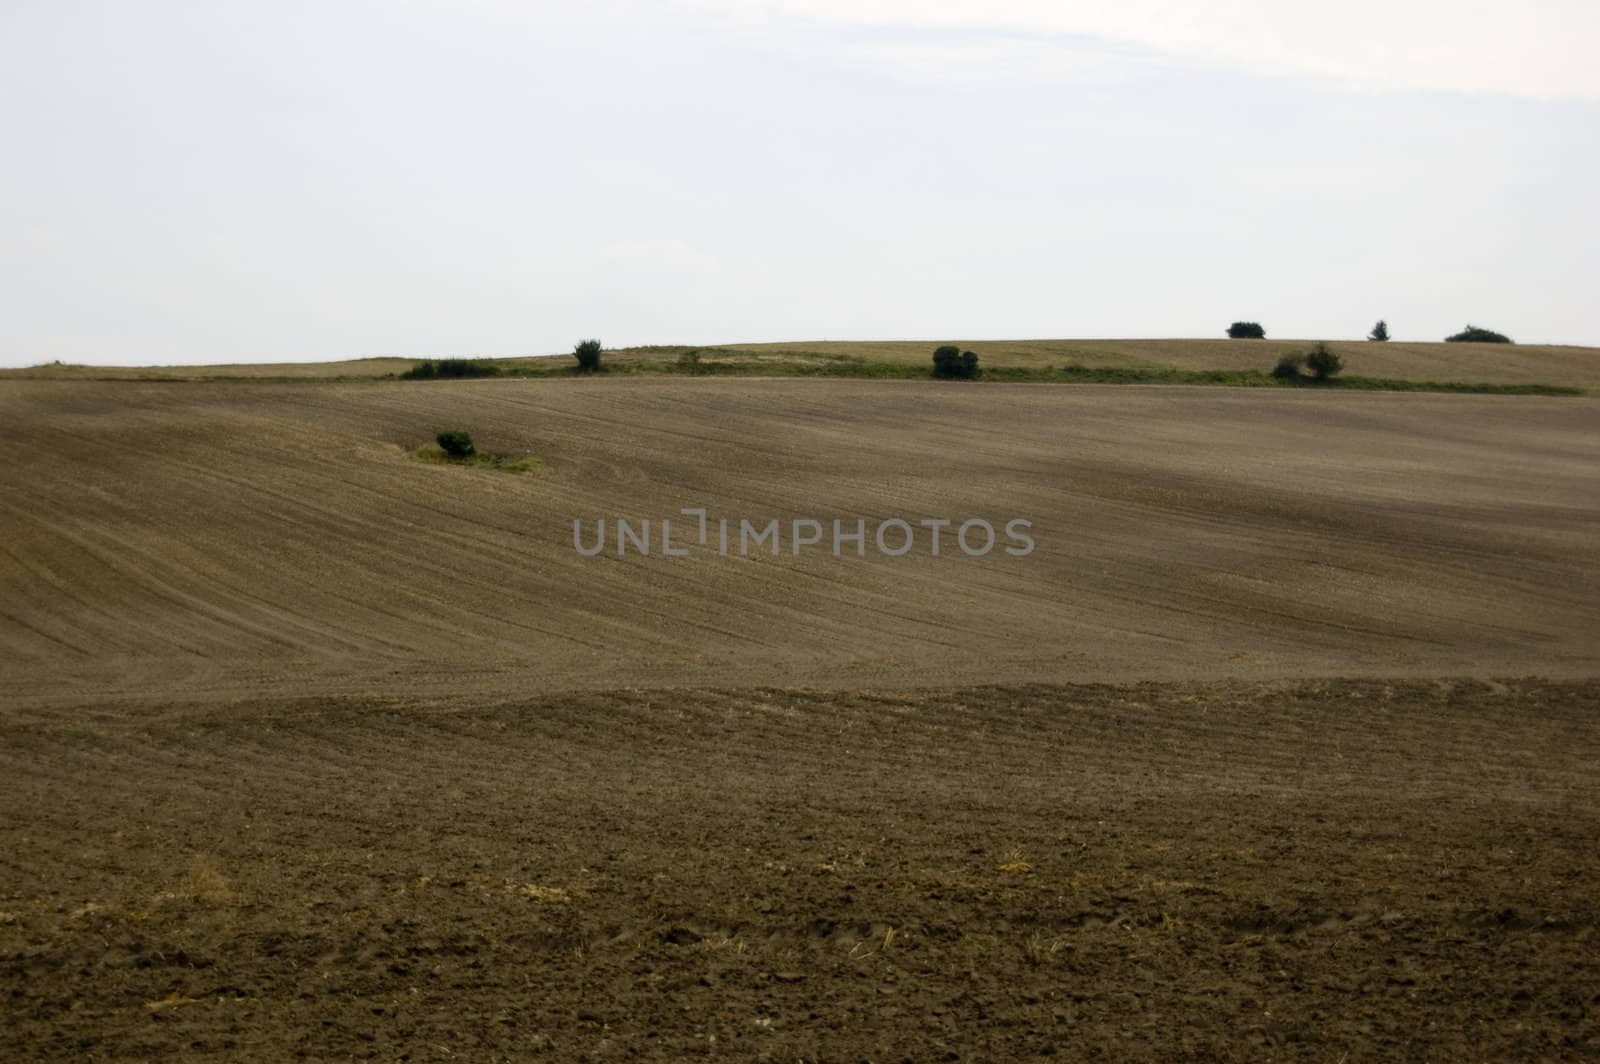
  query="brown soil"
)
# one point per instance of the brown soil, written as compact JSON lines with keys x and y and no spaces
{"x":227,"y":539}
{"x":312,"y":751}
{"x":1320,"y":872}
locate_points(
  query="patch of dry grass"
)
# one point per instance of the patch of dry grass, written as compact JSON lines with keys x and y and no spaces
{"x":434,"y":455}
{"x":1012,"y":863}
{"x":1038,"y":949}
{"x":541,"y":893}
{"x":206,"y":882}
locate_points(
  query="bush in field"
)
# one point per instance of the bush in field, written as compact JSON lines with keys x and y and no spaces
{"x":588,"y":355}
{"x":455,"y":444}
{"x":1324,"y":363}
{"x":1474,"y":335}
{"x":1380,"y":331}
{"x":1288,"y":367}
{"x":1246,"y":330}
{"x":444,"y":368}
{"x":952,"y":363}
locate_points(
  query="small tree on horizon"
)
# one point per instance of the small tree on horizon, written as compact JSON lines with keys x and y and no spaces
{"x":1246,"y":330}
{"x":951,"y":362}
{"x":1472,"y":334}
{"x":587,"y":352}
{"x":1324,"y":363}
{"x":1380,"y":331}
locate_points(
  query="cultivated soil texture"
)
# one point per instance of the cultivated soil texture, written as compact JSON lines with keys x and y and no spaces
{"x":1282,"y":744}
{"x":227,"y":539}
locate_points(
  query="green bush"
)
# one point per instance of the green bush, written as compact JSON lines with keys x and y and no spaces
{"x":1246,"y":330}
{"x":954,"y":364}
{"x":1474,"y":335}
{"x":1324,"y":363}
{"x":436,"y":369}
{"x":455,"y":444}
{"x":1288,"y":367}
{"x":1380,"y":331}
{"x":588,"y":355}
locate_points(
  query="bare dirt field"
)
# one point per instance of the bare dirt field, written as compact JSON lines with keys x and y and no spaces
{"x":218,"y":539}
{"x":1318,"y":871}
{"x":1281,"y":744}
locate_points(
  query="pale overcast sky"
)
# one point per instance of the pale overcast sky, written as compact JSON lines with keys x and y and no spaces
{"x":204,"y":180}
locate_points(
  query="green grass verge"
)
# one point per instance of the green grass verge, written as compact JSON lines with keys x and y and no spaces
{"x":712,"y":362}
{"x":1247,"y":378}
{"x":685,"y":361}
{"x":434,"y":455}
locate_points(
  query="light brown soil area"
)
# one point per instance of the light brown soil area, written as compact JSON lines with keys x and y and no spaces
{"x":1281,"y":745}
{"x":221,"y":539}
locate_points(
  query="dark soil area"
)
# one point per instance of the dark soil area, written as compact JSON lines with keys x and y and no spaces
{"x":1314,"y":871}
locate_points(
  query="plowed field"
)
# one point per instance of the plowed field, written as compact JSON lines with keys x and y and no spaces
{"x":1281,"y":743}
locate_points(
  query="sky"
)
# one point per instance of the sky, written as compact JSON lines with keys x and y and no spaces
{"x":196,"y":181}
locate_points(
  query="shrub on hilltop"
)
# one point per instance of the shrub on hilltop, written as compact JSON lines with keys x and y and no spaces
{"x":1324,"y":363}
{"x":1246,"y":330}
{"x":1288,"y":367}
{"x":1317,"y":366}
{"x":951,"y":363}
{"x":587,"y":352}
{"x":1474,"y":335}
{"x":446,"y":368}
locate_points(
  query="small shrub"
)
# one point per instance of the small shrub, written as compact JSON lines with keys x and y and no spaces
{"x":1380,"y":331}
{"x":1324,"y":363}
{"x":455,"y":444}
{"x":1288,"y":367}
{"x":455,"y":449}
{"x":1246,"y":330}
{"x":587,"y":352}
{"x":952,"y":363}
{"x":1474,"y":335}
{"x":689,"y":361}
{"x":446,"y":368}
